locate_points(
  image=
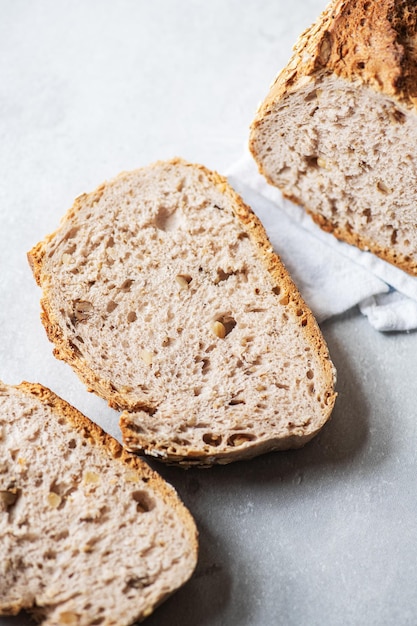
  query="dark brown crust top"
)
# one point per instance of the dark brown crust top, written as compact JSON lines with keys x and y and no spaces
{"x":289,"y":294}
{"x":373,"y":42}
{"x":370,"y":42}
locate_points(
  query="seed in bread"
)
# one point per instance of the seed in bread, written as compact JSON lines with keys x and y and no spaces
{"x":175,"y":309}
{"x":89,"y":534}
{"x":337,"y":132}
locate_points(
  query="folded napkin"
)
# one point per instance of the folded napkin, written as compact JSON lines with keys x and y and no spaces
{"x":332,"y":276}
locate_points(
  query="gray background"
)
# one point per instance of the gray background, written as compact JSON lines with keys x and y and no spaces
{"x":322,"y":536}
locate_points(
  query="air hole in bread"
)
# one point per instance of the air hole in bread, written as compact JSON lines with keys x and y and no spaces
{"x":254,"y":309}
{"x":126,"y":285}
{"x":144,"y":502}
{"x":132,"y":317}
{"x":82,"y":310}
{"x":111,"y":306}
{"x":364,"y":165}
{"x":49,"y":555}
{"x":312,"y":161}
{"x":310,"y":374}
{"x":183,"y":280}
{"x":237,"y":400}
{"x":239,"y":439}
{"x":71,"y":249}
{"x":71,"y":233}
{"x":312,"y":95}
{"x":8,"y":498}
{"x":397,"y":116}
{"x":245,"y":340}
{"x":64,"y":534}
{"x":383,"y":188}
{"x":167,"y":219}
{"x":222,"y":275}
{"x":367,"y":213}
{"x":211,"y":439}
{"x":205,"y":367}
{"x":181,"y":442}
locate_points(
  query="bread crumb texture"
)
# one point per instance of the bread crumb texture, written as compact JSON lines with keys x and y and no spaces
{"x":338,"y":131}
{"x":89,"y":535}
{"x":162,"y":291}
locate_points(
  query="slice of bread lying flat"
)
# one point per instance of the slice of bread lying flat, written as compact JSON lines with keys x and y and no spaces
{"x":89,"y":535}
{"x":337,"y":132}
{"x":163,"y":292}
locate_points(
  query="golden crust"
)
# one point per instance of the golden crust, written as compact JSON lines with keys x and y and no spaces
{"x":402,"y":261}
{"x":289,"y":294}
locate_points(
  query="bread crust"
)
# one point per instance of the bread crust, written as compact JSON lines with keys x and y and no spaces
{"x":95,"y":436}
{"x":368,"y":43}
{"x":289,"y":294}
{"x":402,"y":261}
{"x":360,"y":40}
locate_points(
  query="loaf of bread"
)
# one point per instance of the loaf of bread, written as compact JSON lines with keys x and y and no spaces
{"x":163,"y":293}
{"x":337,"y":132}
{"x":89,"y":534}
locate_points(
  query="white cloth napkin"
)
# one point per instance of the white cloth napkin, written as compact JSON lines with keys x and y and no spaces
{"x":332,"y":276}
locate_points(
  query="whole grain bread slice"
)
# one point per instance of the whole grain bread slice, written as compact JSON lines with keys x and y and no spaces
{"x":337,"y":132}
{"x":162,"y":291}
{"x":89,"y":534}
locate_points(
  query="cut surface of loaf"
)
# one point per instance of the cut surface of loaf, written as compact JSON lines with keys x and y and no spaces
{"x":89,"y":535}
{"x":162,"y":291}
{"x":337,"y":132}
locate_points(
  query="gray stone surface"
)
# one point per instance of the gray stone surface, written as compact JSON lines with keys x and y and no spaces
{"x":322,"y":536}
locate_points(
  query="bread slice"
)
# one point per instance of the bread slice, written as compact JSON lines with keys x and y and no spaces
{"x":162,"y":291}
{"x":89,"y":534}
{"x":337,"y":132}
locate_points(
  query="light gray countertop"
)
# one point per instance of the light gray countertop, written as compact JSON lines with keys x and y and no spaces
{"x":324,"y":536}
